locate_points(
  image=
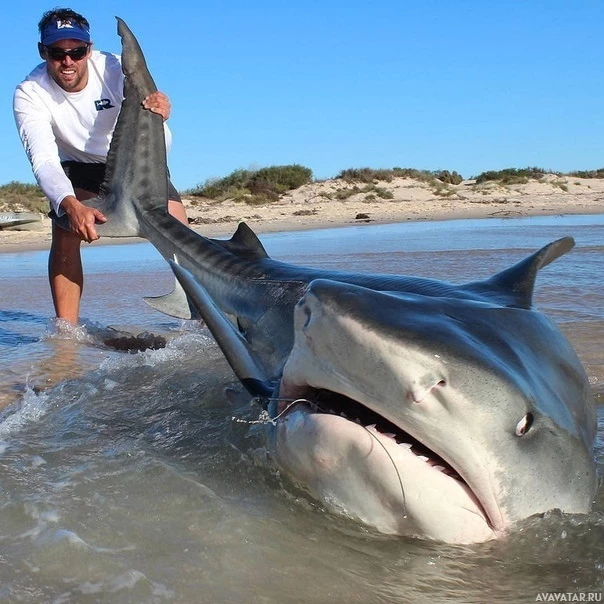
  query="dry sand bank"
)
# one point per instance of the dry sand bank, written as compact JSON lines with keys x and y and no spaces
{"x":322,"y":204}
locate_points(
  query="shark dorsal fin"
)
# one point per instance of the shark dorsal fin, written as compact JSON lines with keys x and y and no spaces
{"x":519,"y":280}
{"x":244,"y":244}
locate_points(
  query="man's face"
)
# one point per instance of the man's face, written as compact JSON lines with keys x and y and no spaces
{"x":71,"y":75}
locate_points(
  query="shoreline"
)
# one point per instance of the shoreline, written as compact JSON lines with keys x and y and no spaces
{"x":319,"y":205}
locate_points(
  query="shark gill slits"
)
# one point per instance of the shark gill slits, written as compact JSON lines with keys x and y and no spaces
{"x":524,"y":425}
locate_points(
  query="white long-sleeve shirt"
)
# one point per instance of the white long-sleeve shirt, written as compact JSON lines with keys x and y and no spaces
{"x":56,"y":125}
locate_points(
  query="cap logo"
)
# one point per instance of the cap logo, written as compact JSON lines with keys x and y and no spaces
{"x":62,"y":24}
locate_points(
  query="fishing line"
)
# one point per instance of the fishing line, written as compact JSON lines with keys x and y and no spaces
{"x":398,"y":475}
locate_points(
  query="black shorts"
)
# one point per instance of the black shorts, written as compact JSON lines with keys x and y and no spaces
{"x":90,"y":177}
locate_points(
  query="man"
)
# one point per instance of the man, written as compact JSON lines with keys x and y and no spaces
{"x":66,"y":110}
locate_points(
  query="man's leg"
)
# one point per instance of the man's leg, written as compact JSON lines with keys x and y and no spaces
{"x":177,"y":209}
{"x":175,"y":205}
{"x":65,"y":272}
{"x":65,"y":263}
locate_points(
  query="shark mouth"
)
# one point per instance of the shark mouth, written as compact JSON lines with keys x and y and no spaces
{"x":323,"y":401}
{"x":332,"y":403}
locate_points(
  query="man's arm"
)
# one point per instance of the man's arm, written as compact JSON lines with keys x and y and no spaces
{"x":35,"y":130}
{"x":33,"y":122}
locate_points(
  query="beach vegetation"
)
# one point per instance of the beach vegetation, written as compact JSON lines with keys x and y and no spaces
{"x":372,"y":192}
{"x":443,"y":190}
{"x":372,"y":175}
{"x":22,"y":197}
{"x":599,"y":173}
{"x":450,"y":178}
{"x":513,"y":176}
{"x":255,"y":187}
{"x":366,"y":175}
{"x":561,"y":185}
{"x":383,"y":193}
{"x":343,"y":194}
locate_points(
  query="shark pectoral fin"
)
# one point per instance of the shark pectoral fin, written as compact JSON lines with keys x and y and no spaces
{"x":108,"y":205}
{"x":121,"y":221}
{"x":176,"y":304}
{"x":232,"y":344}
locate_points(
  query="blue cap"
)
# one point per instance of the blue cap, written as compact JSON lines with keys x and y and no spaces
{"x":64,"y":29}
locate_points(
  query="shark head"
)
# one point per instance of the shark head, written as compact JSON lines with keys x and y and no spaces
{"x":440,"y":417}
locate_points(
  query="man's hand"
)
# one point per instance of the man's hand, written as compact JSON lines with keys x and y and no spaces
{"x":82,"y":218}
{"x":159,"y":103}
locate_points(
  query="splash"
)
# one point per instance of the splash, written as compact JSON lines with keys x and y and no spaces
{"x":29,"y":409}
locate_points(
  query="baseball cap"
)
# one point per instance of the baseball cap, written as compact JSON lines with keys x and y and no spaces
{"x":64,"y":29}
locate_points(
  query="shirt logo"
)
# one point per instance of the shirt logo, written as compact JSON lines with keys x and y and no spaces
{"x":103,"y":104}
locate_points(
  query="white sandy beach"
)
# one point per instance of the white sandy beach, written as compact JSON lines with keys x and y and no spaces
{"x":316,"y":206}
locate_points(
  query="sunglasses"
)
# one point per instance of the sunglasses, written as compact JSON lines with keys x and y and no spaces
{"x":75,"y":54}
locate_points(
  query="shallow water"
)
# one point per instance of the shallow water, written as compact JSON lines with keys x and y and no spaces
{"x":125,"y":479}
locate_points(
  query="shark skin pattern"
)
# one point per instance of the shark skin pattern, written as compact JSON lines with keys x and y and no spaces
{"x":420,"y":407}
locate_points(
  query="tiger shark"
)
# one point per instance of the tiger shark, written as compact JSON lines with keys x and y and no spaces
{"x":419,"y":407}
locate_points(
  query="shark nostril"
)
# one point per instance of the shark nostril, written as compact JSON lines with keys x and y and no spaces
{"x":418,"y":395}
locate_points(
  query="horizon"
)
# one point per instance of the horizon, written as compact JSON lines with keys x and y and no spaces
{"x":438,"y":86}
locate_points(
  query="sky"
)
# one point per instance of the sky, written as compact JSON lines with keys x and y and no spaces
{"x":465,"y":85}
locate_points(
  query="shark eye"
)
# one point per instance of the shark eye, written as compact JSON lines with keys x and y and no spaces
{"x":524,"y":425}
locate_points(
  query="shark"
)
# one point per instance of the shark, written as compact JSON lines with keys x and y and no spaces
{"x":419,"y":407}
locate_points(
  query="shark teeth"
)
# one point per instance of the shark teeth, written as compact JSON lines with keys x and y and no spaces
{"x":323,"y":402}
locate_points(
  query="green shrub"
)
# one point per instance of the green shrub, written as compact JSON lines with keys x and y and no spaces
{"x":442,"y":190}
{"x":599,"y":173}
{"x":281,"y":178}
{"x":18,"y":196}
{"x":512,"y":176}
{"x":370,"y":175}
{"x":383,"y":193}
{"x":450,"y":178}
{"x":366,"y":175}
{"x":214,"y":188}
{"x":263,"y":185}
{"x":421,"y":175}
{"x":342,"y":194}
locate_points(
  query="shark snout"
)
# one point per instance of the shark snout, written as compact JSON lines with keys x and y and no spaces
{"x":349,"y":329}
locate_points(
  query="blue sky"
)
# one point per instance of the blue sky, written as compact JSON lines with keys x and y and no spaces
{"x":466,"y":85}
